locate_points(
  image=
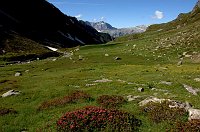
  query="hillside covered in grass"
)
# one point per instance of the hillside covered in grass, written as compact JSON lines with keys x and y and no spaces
{"x":146,"y":82}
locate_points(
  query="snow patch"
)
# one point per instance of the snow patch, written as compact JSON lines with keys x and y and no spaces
{"x":51,"y":48}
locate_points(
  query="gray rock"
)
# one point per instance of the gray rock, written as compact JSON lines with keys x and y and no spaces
{"x":54,"y":59}
{"x":132,"y":98}
{"x":80,"y":57}
{"x":17,"y":74}
{"x":191,"y":89}
{"x":103,"y":80}
{"x":10,"y":93}
{"x":141,"y":89}
{"x":194,"y":114}
{"x":173,"y":103}
{"x":178,"y":104}
{"x":165,"y":82}
{"x":118,"y":58}
{"x":151,"y":99}
{"x":180,"y":62}
{"x":197,"y":79}
{"x":106,"y":55}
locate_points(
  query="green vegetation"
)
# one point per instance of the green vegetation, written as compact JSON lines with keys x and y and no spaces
{"x":146,"y":60}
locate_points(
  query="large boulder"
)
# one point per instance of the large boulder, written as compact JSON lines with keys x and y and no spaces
{"x":194,"y":114}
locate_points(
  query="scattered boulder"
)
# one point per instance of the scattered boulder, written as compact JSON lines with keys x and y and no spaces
{"x":132,"y":98}
{"x":191,"y":89}
{"x":178,"y":104}
{"x":197,"y":79}
{"x":118,"y":58}
{"x":122,"y":81}
{"x":10,"y":93}
{"x":68,"y":54}
{"x":194,"y":114}
{"x":151,"y":99}
{"x":180,"y":62}
{"x":106,"y":55}
{"x":54,"y":59}
{"x":166,"y":82}
{"x":141,"y":89}
{"x":80,"y":57}
{"x":92,"y":84}
{"x":103,"y":80}
{"x":173,"y":103}
{"x":17,"y":74}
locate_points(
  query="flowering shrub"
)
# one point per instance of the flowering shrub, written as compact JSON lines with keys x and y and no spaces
{"x":5,"y":111}
{"x":72,"y":98}
{"x":190,"y":126}
{"x":111,"y":101}
{"x":159,"y":112}
{"x":97,"y":119}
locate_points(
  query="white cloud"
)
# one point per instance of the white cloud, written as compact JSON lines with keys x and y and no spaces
{"x":158,"y":15}
{"x":78,"y":16}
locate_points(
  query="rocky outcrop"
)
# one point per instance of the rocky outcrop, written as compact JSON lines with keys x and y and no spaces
{"x":194,"y":114}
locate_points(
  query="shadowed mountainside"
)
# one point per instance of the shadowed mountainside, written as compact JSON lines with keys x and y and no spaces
{"x":42,"y":23}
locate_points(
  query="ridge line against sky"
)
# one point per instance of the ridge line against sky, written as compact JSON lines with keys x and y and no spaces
{"x":126,"y":13}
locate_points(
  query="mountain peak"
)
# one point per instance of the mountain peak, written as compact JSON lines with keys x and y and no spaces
{"x":101,"y":25}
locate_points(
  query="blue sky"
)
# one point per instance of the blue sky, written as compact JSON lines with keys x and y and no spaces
{"x":125,"y":13}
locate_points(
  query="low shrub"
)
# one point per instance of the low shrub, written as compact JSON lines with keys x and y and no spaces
{"x":97,"y":119}
{"x":159,"y":112}
{"x":111,"y":101}
{"x":5,"y":111}
{"x":190,"y":126}
{"x":72,"y":98}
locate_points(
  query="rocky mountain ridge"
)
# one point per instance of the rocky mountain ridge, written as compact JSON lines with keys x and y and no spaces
{"x":116,"y":32}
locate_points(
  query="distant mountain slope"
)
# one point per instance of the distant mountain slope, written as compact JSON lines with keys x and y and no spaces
{"x":44,"y":24}
{"x":126,"y":31}
{"x":177,"y":39}
{"x":114,"y":32}
{"x":181,"y":21}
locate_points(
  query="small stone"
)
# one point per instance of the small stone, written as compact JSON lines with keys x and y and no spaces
{"x":54,"y":59}
{"x":17,"y":74}
{"x":132,"y":98}
{"x":10,"y":92}
{"x":141,"y":89}
{"x":118,"y":58}
{"x":180,"y":62}
{"x":197,"y":79}
{"x":191,"y":89}
{"x":80,"y":57}
{"x":165,"y":82}
{"x":92,"y":84}
{"x":106,"y":55}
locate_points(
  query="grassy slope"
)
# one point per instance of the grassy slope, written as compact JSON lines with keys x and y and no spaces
{"x":141,"y":64}
{"x":18,"y":48}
